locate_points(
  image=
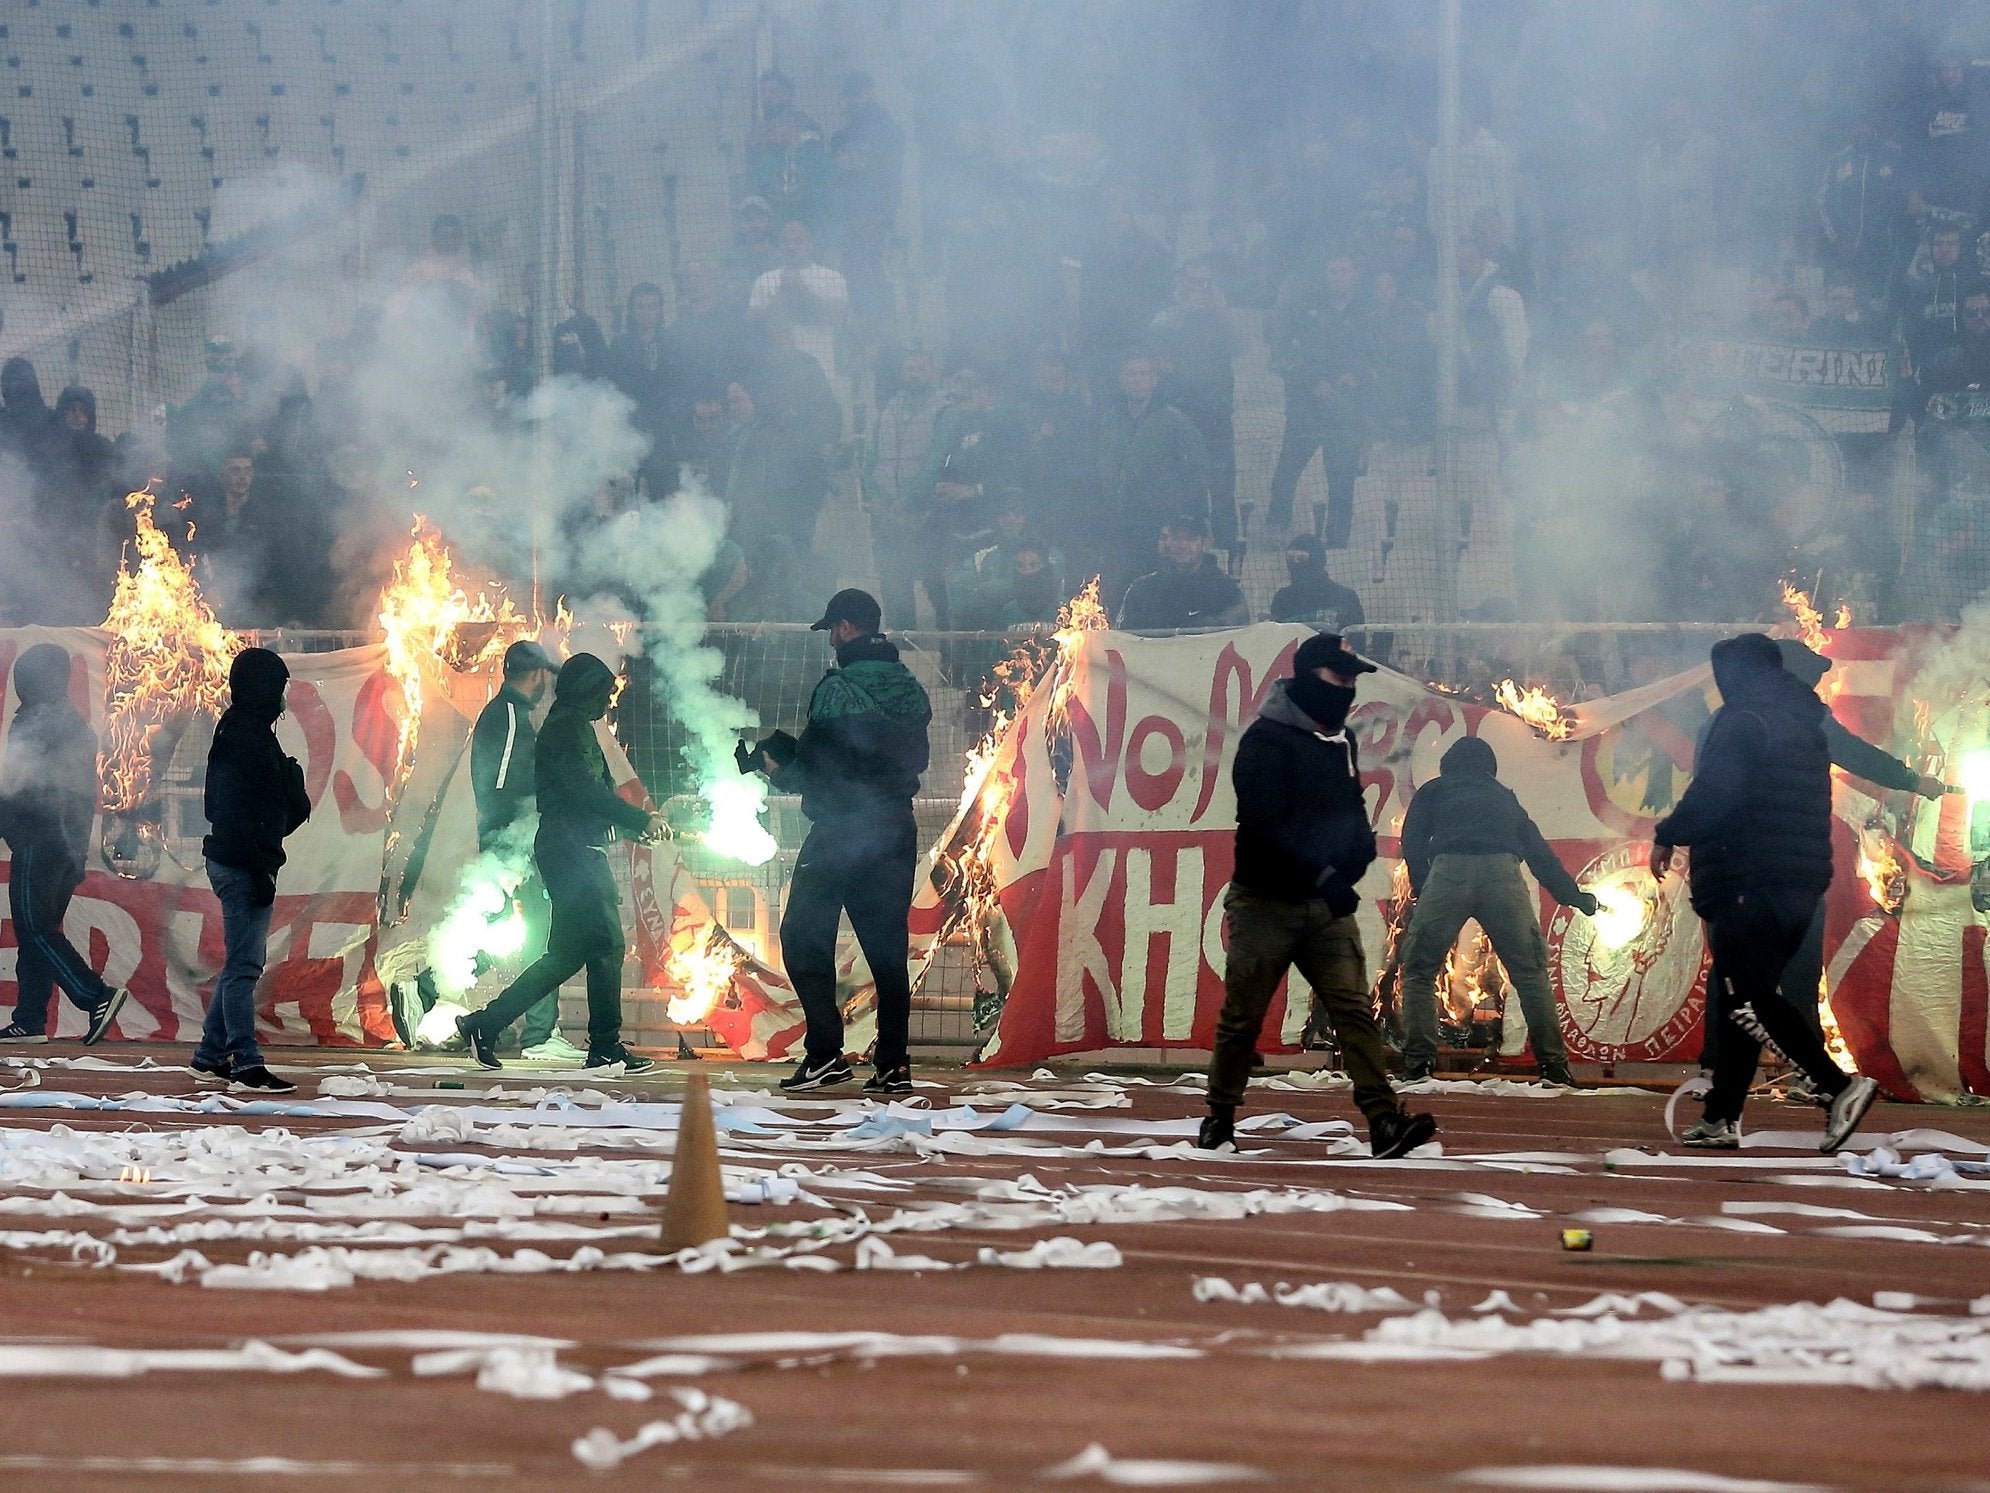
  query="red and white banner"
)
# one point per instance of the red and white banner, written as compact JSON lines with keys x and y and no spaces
{"x":370,"y":871}
{"x":1106,"y":827}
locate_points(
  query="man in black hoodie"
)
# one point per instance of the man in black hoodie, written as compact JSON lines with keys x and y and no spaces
{"x":1803,"y":977}
{"x":1757,"y":817}
{"x":48,"y":798}
{"x":1303,"y":841}
{"x":1465,"y":836}
{"x":578,"y":806}
{"x":255,"y":798}
{"x":1314,"y":597}
{"x":856,"y":767}
{"x":501,"y":753}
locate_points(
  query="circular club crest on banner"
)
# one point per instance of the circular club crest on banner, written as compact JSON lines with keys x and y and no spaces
{"x":1627,"y":982}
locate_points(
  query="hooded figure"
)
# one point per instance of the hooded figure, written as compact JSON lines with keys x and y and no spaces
{"x":1465,"y":836}
{"x":856,"y":766}
{"x":1303,"y":842}
{"x":1757,"y":816}
{"x":1803,"y":978}
{"x":578,"y":806}
{"x":255,"y":798}
{"x":255,"y":792}
{"x":48,"y":796}
{"x":26,"y":422}
{"x":1313,"y":596}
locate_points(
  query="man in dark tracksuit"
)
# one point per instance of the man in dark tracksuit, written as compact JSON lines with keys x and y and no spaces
{"x":856,"y":767}
{"x":578,"y":805}
{"x":501,"y":749}
{"x":255,"y":798}
{"x":48,"y":798}
{"x":1464,"y":838}
{"x":1303,"y":841}
{"x":1757,"y":817}
{"x":1803,"y":977}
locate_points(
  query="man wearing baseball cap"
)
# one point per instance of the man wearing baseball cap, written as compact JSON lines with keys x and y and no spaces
{"x":856,"y":767}
{"x":1303,"y":841}
{"x":501,"y":748}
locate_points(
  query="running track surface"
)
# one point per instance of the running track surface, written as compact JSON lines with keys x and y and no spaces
{"x":999,"y":1420}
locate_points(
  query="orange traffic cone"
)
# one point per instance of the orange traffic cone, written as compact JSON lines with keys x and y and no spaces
{"x":694,"y":1210}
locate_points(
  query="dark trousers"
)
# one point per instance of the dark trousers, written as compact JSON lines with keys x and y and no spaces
{"x":1267,"y":938}
{"x":1803,"y":978}
{"x":1310,"y":427}
{"x":586,"y":934}
{"x":542,"y":1020}
{"x":1753,"y":937}
{"x":862,"y":866}
{"x":41,"y":881}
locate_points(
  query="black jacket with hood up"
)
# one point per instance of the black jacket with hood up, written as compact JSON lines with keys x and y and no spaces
{"x":48,"y":787}
{"x":1848,"y":749}
{"x":1302,"y":825}
{"x":255,"y":791}
{"x":578,"y":803}
{"x":1757,"y":814}
{"x":1466,"y":810}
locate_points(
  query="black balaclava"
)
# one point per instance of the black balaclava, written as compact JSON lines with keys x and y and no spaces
{"x":256,"y":682}
{"x":41,"y":675}
{"x":586,"y":684}
{"x":20,"y":389}
{"x":1325,"y":702}
{"x":1312,"y":568}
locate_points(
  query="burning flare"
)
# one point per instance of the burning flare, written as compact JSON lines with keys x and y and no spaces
{"x":168,"y":658}
{"x":1537,"y":707}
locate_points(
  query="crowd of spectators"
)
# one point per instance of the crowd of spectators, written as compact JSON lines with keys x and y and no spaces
{"x":1074,"y":408}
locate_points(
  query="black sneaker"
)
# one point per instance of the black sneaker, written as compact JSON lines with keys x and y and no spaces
{"x":482,"y":1048}
{"x":1419,"y":1070}
{"x":890,"y":1081}
{"x":1398,"y":1133}
{"x":259,"y":1079}
{"x":14,"y":1032}
{"x":218,"y":1072}
{"x":629,"y":1061}
{"x":809,"y":1075}
{"x":1217,"y":1132}
{"x":1557,"y":1074}
{"x":105,"y":1013}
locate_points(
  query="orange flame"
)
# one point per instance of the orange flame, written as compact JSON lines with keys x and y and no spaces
{"x":1880,"y":869}
{"x":1033,"y":661}
{"x":1809,"y":621}
{"x":1834,"y":1039}
{"x":168,"y":658}
{"x":1537,"y":707}
{"x":425,"y":617}
{"x":702,"y":973}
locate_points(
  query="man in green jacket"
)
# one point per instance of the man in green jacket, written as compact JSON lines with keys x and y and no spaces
{"x":578,"y":806}
{"x":1464,"y":837}
{"x":857,"y":768}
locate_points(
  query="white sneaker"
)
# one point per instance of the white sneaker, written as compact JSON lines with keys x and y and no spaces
{"x":1846,"y":1111}
{"x":555,"y":1049}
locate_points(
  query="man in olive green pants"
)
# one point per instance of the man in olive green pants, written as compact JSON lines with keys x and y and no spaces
{"x":1464,"y":839}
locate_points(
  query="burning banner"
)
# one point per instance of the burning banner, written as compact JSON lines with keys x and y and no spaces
{"x":1104,"y":831}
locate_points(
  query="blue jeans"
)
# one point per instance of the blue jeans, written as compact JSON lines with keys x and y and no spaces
{"x":230,"y":1031}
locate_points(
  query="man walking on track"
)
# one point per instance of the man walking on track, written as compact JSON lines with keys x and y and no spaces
{"x":48,"y":800}
{"x":1464,"y":837}
{"x":501,"y":754}
{"x":856,"y":767}
{"x":578,"y":806}
{"x":255,"y":799}
{"x":1303,"y":841}
{"x":1757,"y":817}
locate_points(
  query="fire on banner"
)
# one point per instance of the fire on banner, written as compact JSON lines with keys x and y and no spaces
{"x":1113,"y":848}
